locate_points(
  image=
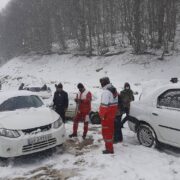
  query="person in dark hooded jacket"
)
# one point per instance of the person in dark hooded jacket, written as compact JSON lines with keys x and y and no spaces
{"x":21,"y":87}
{"x":60,"y":101}
{"x":125,"y":99}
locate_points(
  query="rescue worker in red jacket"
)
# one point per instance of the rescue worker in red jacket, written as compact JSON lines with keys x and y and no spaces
{"x":107,"y":112}
{"x":83,"y":101}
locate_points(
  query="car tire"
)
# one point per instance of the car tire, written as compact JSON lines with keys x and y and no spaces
{"x":4,"y":162}
{"x":95,"y":119}
{"x":146,"y":135}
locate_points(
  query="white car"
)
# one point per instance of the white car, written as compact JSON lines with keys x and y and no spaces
{"x":44,"y":94}
{"x":71,"y":111}
{"x":27,"y":125}
{"x":156,"y":116}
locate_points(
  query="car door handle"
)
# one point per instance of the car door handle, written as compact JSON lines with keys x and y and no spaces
{"x":155,"y":114}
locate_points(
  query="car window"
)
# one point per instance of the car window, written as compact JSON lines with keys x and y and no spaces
{"x":21,"y":102}
{"x":170,"y":98}
{"x":35,"y":89}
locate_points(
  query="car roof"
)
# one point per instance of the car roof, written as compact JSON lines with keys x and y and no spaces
{"x":156,"y":91}
{"x":4,"y":95}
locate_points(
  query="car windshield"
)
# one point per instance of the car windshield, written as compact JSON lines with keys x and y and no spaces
{"x":34,"y":89}
{"x":21,"y":102}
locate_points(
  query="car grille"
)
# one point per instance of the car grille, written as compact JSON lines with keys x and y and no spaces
{"x":39,"y":145}
{"x":41,"y":129}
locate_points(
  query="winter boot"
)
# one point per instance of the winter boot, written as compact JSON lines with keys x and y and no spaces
{"x":107,"y":152}
{"x":84,"y":137}
{"x":72,"y":135}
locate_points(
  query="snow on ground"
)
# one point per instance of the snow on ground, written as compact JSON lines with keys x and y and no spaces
{"x":84,"y":159}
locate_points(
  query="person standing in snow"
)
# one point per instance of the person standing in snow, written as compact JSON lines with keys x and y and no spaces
{"x":21,"y":87}
{"x":126,"y":97}
{"x":83,"y":102}
{"x":44,"y":88}
{"x":118,"y":136}
{"x":60,"y":101}
{"x":107,"y":112}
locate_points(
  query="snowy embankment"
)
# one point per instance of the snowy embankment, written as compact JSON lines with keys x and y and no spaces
{"x":70,"y":70}
{"x":83,"y":159}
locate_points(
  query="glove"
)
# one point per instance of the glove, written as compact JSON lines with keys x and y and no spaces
{"x":102,"y":118}
{"x":78,"y":100}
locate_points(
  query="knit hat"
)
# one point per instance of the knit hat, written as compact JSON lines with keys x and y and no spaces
{"x":104,"y":81}
{"x":80,"y":86}
{"x":59,"y":85}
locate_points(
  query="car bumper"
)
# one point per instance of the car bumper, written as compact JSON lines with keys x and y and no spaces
{"x":132,"y":126}
{"x":132,"y":123}
{"x":13,"y":147}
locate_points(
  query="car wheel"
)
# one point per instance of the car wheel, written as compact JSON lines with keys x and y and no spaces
{"x":95,"y":119}
{"x":146,"y":135}
{"x":4,"y":162}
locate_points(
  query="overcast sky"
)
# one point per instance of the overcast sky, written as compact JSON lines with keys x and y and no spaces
{"x":3,"y":3}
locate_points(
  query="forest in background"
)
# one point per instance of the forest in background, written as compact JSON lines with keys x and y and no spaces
{"x":91,"y":26}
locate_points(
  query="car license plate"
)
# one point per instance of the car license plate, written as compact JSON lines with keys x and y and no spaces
{"x":39,"y":139}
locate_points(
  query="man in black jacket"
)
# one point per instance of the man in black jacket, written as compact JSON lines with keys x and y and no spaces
{"x":60,"y":101}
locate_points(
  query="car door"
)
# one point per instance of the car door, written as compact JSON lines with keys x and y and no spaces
{"x":167,"y":116}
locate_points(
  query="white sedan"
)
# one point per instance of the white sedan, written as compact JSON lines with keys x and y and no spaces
{"x":156,"y":116}
{"x":43,"y":93}
{"x":26,"y":125}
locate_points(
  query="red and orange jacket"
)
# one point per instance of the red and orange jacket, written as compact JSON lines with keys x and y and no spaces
{"x":109,"y":104}
{"x":84,"y":99}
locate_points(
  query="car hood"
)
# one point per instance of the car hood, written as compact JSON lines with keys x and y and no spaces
{"x":27,"y":118}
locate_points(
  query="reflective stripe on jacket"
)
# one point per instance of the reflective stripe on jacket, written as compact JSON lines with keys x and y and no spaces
{"x":85,"y":104}
{"x":108,"y":105}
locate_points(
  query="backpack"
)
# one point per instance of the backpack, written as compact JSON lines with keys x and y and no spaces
{"x":113,"y":90}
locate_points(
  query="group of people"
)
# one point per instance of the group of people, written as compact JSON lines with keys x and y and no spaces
{"x":83,"y":106}
{"x":113,"y":106}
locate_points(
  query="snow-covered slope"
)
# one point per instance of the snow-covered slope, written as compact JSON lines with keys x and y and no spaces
{"x":70,"y":70}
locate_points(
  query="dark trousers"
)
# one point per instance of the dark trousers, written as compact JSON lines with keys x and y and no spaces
{"x":61,"y":112}
{"x":118,"y":136}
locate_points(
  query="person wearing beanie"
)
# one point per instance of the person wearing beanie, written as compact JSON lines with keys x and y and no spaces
{"x":60,"y":101}
{"x":126,"y":97}
{"x":83,"y":108}
{"x":107,"y":112}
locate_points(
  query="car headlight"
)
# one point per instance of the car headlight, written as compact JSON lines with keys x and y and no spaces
{"x":57,"y":123}
{"x":9,"y":133}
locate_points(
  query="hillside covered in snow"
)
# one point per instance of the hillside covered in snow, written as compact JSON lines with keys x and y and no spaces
{"x":70,"y":70}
